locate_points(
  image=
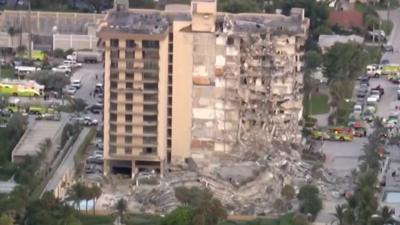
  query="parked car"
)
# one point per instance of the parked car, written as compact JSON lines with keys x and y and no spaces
{"x":70,"y":90}
{"x":76,"y":83}
{"x":63,"y":69}
{"x":95,"y":109}
{"x":379,"y":89}
{"x":385,"y":61}
{"x":387,"y":48}
{"x":87,"y":121}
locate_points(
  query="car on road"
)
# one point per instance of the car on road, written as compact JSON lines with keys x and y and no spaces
{"x":357,"y":109}
{"x":379,"y":89}
{"x":398,"y":94}
{"x":387,"y":48}
{"x":87,"y":121}
{"x":70,"y":90}
{"x":362,"y":92}
{"x":76,"y":83}
{"x":333,"y":134}
{"x":95,"y":109}
{"x":385,"y":61}
{"x":63,"y":69}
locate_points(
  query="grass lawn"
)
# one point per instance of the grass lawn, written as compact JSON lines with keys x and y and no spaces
{"x":97,"y":220}
{"x":142,"y":219}
{"x":319,"y":104}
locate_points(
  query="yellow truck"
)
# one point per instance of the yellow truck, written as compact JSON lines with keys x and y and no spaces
{"x":21,"y":88}
{"x":390,"y":69}
{"x":36,"y":108}
{"x":36,"y":55}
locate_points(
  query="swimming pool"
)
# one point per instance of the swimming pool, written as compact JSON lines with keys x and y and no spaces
{"x":391,"y":197}
{"x":82,"y":205}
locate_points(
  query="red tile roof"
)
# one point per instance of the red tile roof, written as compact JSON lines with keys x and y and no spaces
{"x":346,"y":19}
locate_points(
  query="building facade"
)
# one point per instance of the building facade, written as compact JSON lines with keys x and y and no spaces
{"x":189,"y":81}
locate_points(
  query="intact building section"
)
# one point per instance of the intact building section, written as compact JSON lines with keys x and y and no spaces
{"x":136,"y":92}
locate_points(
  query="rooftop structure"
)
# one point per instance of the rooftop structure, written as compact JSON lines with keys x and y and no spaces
{"x":327,"y":41}
{"x":347,"y":19}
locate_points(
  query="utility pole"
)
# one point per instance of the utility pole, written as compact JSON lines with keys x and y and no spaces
{"x":30,"y":31}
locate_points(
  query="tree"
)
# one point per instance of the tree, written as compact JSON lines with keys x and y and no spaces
{"x":96,"y":193}
{"x":180,"y":216}
{"x":78,"y":104}
{"x":58,"y":53}
{"x":12,"y":32}
{"x":310,"y":202}
{"x":48,"y":201}
{"x":387,"y":214}
{"x":76,"y":194}
{"x":6,"y":220}
{"x":145,"y":4}
{"x":340,"y":214}
{"x":206,"y":209}
{"x":313,"y":59}
{"x":300,"y":219}
{"x":239,"y":6}
{"x":288,"y":192}
{"x":121,"y":206}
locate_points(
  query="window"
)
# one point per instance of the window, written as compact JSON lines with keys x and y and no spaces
{"x":128,"y":150}
{"x":129,"y":64}
{"x":128,"y":118}
{"x":114,"y":75}
{"x":129,"y":76}
{"x":129,"y":54}
{"x":113,"y":149}
{"x":113,"y":105}
{"x":128,"y":129}
{"x":128,"y":85}
{"x":230,"y":41}
{"x":128,"y":107}
{"x":114,"y":54}
{"x":114,"y":42}
{"x":129,"y":96}
{"x":150,"y":65}
{"x":128,"y":140}
{"x":114,"y":64}
{"x":113,"y":128}
{"x":170,"y":69}
{"x":113,"y":138}
{"x":114,"y":84}
{"x":130,"y":43}
{"x":150,"y":44}
{"x":113,"y":116}
{"x":113,"y":96}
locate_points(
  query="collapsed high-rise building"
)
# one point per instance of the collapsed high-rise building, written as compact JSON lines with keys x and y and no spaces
{"x":187,"y":81}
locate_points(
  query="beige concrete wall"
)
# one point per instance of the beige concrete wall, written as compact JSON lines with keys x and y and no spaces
{"x":162,"y":123}
{"x":106,"y":112}
{"x":203,"y":16}
{"x":74,"y":41}
{"x":44,"y":22}
{"x":7,"y":42}
{"x":182,"y":92}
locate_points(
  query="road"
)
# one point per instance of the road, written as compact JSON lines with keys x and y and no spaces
{"x":342,"y":157}
{"x":395,"y":36}
{"x":87,"y":75}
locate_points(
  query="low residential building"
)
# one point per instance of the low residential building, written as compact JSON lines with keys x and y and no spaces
{"x":327,"y":41}
{"x":347,"y":19}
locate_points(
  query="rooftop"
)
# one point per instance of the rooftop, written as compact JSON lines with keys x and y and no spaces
{"x":346,"y":19}
{"x":34,"y":135}
{"x":142,"y":21}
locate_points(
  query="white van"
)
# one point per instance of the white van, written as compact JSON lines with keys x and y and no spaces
{"x":23,"y":70}
{"x":374,"y":70}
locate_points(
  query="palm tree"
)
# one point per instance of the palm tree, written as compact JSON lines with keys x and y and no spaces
{"x":12,"y":32}
{"x":386,"y":214}
{"x":96,"y":193}
{"x":76,"y":194}
{"x":340,"y":214}
{"x":121,"y":207}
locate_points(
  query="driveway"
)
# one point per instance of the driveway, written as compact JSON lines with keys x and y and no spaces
{"x":394,"y":16}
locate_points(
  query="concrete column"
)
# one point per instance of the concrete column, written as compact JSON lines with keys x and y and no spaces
{"x":134,"y":172}
{"x":54,"y":41}
{"x":106,"y":167}
{"x":90,"y":42}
